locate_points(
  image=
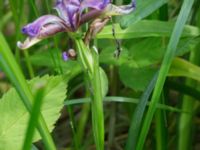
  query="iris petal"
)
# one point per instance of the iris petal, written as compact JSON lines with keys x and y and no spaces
{"x":72,"y":10}
{"x":68,"y":10}
{"x":71,"y":16}
{"x":33,"y":29}
{"x":113,"y":10}
{"x":108,"y":9}
{"x":43,"y":27}
{"x":96,"y":4}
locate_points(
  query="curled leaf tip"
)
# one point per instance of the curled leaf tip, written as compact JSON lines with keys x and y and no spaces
{"x":113,"y":10}
{"x":28,"y":43}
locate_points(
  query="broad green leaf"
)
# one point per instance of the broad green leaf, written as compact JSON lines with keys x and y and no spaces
{"x":150,"y":51}
{"x":147,"y":28}
{"x":136,"y":78}
{"x":136,"y":60}
{"x":107,"y":56}
{"x":14,"y":116}
{"x":143,"y":9}
{"x":145,"y":52}
{"x":183,"y":68}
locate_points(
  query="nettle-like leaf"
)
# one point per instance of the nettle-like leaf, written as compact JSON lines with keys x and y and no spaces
{"x":14,"y":116}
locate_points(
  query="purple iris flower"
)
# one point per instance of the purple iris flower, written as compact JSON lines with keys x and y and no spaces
{"x":72,"y":15}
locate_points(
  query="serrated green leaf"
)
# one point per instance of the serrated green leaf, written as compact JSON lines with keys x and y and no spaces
{"x":14,"y":116}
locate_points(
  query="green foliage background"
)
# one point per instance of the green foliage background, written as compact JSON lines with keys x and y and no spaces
{"x":151,"y":92}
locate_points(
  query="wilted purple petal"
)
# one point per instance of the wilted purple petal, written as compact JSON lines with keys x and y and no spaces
{"x":50,"y":30}
{"x":43,"y":27}
{"x":103,"y":8}
{"x":96,"y":4}
{"x":68,"y":10}
{"x":71,"y":16}
{"x":134,"y":3}
{"x":113,"y":10}
{"x":34,"y":28}
{"x":71,"y":10}
{"x":92,"y":14}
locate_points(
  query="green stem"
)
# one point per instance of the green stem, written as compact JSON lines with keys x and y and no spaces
{"x":33,"y":118}
{"x":82,"y":124}
{"x":189,"y":105}
{"x":85,"y":57}
{"x":161,"y":130}
{"x":185,"y":123}
{"x":72,"y":125}
{"x":90,"y":62}
{"x":170,"y":53}
{"x":114,"y":89}
{"x":28,"y":63}
{"x":97,"y":109}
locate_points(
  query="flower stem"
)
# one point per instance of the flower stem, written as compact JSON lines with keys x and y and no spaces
{"x":97,"y":108}
{"x":89,"y":60}
{"x":190,"y":105}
